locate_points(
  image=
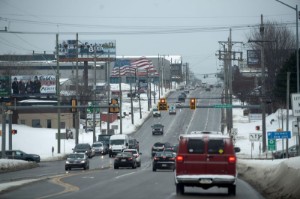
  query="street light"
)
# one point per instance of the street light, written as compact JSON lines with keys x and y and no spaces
{"x":297,"y":57}
{"x":297,"y":40}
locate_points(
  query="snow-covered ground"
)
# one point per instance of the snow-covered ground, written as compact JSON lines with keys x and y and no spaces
{"x":273,"y":178}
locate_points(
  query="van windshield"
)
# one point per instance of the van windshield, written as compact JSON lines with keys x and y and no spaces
{"x":117,"y":142}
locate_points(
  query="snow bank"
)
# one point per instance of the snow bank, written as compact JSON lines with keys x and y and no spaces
{"x":274,"y":181}
{"x":7,"y":165}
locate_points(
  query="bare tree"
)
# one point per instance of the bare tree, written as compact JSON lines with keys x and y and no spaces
{"x":279,"y":43}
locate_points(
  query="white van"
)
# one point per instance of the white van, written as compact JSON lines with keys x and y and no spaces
{"x":117,"y":143}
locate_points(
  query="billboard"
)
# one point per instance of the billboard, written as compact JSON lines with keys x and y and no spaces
{"x":87,"y":50}
{"x":4,"y":86}
{"x":33,"y":85}
{"x":253,"y":58}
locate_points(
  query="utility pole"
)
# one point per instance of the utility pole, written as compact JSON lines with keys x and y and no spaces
{"x":108,"y":93}
{"x":120,"y":96}
{"x":94,"y":108}
{"x":77,"y":98}
{"x":162,"y":78}
{"x":297,"y":58}
{"x":230,"y":122}
{"x":58,"y":96}
{"x":9,"y":129}
{"x":227,"y":55}
{"x":3,"y":148}
{"x":131,"y":101}
{"x":263,"y":88}
{"x":186,"y":73}
{"x":159,"y":78}
{"x":148,"y":97}
{"x":287,"y":109}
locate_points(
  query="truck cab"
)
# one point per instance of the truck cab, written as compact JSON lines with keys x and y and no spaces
{"x":117,"y":143}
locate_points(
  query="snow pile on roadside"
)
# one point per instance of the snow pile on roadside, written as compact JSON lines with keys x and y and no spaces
{"x":7,"y":165}
{"x":272,"y":180}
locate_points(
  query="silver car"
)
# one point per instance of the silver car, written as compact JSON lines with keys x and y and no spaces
{"x":99,"y":148}
{"x":136,"y":154}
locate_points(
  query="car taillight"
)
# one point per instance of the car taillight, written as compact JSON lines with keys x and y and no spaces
{"x":179,"y":158}
{"x":172,"y":158}
{"x":231,"y":159}
{"x":129,"y":158}
{"x":155,"y":158}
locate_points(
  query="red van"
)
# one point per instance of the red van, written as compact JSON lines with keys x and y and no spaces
{"x":206,"y":159}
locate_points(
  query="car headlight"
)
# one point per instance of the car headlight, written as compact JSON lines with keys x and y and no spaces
{"x":83,"y":161}
{"x":67,"y":162}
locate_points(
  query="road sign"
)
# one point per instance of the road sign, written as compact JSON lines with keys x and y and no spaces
{"x":296,"y":104}
{"x":255,"y":137}
{"x":234,"y":131}
{"x":273,"y":135}
{"x":223,"y":106}
{"x":294,"y":128}
{"x":272,"y":145}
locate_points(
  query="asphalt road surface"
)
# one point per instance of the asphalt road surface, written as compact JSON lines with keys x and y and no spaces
{"x":102,"y":181}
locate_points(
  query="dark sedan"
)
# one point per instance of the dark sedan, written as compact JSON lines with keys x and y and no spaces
{"x":125,"y":159}
{"x":157,"y":129}
{"x":77,"y":160}
{"x":84,"y":148}
{"x":164,"y":160}
{"x":292,"y":151}
{"x":21,"y":155}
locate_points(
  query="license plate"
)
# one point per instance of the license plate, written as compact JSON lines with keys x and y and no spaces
{"x":123,"y":160}
{"x":164,"y":165}
{"x":205,"y":181}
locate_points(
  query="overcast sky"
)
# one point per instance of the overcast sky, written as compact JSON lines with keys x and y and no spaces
{"x":190,"y":28}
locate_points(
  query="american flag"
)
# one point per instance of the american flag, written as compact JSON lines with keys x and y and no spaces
{"x":128,"y":67}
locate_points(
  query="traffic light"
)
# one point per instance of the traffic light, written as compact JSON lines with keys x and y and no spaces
{"x":114,"y":109}
{"x":74,"y":105}
{"x":193,"y":103}
{"x":162,"y":104}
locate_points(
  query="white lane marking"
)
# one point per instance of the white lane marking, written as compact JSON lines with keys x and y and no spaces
{"x":170,"y":126}
{"x":127,"y":174}
{"x":187,"y":128}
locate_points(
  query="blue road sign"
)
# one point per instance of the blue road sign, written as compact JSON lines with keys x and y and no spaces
{"x":272,"y":135}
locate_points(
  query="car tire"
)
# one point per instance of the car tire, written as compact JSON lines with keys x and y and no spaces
{"x":115,"y":167}
{"x":134,"y":166}
{"x":232,"y":190}
{"x":67,"y":169}
{"x":153,"y":169}
{"x":179,"y":189}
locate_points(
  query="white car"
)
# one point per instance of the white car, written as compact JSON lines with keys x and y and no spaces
{"x":136,"y":154}
{"x":156,"y":112}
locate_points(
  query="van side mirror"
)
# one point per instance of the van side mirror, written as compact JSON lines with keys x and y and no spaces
{"x":237,"y":149}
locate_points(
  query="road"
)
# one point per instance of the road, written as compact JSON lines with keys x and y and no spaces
{"x":102,"y":181}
